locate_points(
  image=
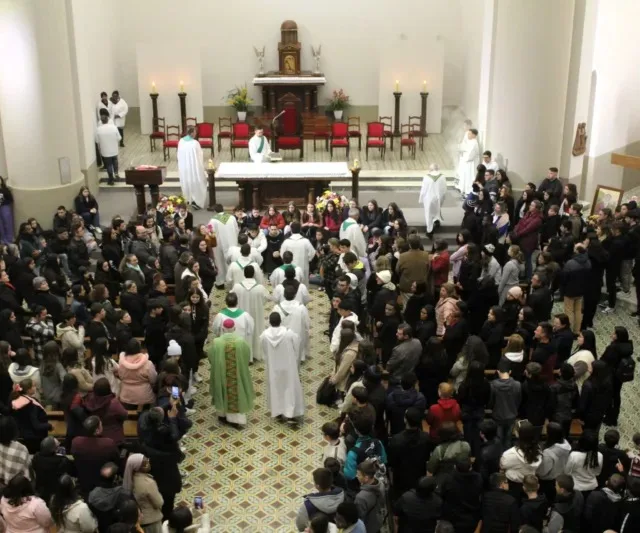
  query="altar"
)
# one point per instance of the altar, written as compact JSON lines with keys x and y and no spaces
{"x":263,"y":184}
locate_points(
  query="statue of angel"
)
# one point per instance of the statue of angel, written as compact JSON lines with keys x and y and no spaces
{"x":260,"y":56}
{"x":316,"y":55}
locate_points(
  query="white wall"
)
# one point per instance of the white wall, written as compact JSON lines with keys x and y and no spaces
{"x":472,"y":18}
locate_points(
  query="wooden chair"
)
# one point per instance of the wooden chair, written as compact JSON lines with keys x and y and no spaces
{"x":406,"y":139}
{"x":157,"y":132}
{"x":339,"y":137}
{"x":205,"y":136}
{"x":388,"y":128}
{"x":415,"y":131}
{"x":171,"y":140}
{"x":322,"y":131}
{"x":190,"y":121}
{"x":240,"y":135}
{"x":375,"y":138}
{"x":353,"y":124}
{"x":224,"y":130}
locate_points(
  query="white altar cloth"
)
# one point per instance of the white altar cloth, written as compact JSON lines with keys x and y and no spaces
{"x":289,"y":80}
{"x":234,"y":171}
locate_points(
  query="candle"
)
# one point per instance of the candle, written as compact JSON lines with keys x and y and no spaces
{"x":153,"y":87}
{"x":424,"y":86}
{"x":397,"y":86}
{"x":181,"y":86}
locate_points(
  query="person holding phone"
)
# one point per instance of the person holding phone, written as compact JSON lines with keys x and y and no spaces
{"x":183,"y":520}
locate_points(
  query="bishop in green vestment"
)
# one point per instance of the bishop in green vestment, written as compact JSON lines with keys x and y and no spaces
{"x":230,"y":385}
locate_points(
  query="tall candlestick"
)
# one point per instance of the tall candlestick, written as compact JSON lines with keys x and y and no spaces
{"x":181,"y":86}
{"x":424,"y":86}
{"x":397,"y":86}
{"x":153,"y":87}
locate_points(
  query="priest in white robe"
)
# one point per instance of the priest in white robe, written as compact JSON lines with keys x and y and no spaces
{"x":251,"y":298}
{"x":295,"y":316}
{"x":280,"y":347}
{"x":434,"y":187}
{"x":351,"y":230}
{"x":119,"y":110}
{"x":235,"y":272}
{"x":302,"y":293}
{"x":259,"y":147}
{"x":469,"y":160}
{"x":193,"y":177}
{"x":244,"y":323}
{"x":278,"y":274}
{"x":225,"y":227}
{"x":302,"y":250}
{"x":233,"y":254}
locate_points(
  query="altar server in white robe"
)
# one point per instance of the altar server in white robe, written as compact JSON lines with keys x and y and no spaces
{"x":233,"y":253}
{"x":193,"y":177}
{"x":235,"y":272}
{"x":245,"y":324}
{"x":302,"y":294}
{"x":277,"y":276}
{"x":251,"y":298}
{"x":225,"y":227}
{"x":259,"y":147}
{"x":302,"y":250}
{"x":351,"y":230}
{"x":295,"y":317}
{"x":119,"y":110}
{"x":469,"y":160}
{"x":280,"y":347}
{"x":434,"y":187}
{"x":257,"y":239}
{"x":104,"y":103}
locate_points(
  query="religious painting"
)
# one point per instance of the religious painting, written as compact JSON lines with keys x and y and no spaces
{"x":289,"y":64}
{"x":606,"y":197}
{"x":580,"y":142}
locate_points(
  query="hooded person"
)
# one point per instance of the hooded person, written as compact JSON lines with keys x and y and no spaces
{"x":193,"y":178}
{"x":104,"y":404}
{"x":325,"y":500}
{"x":284,"y":389}
{"x":225,"y":227}
{"x":244,"y":323}
{"x":295,"y":317}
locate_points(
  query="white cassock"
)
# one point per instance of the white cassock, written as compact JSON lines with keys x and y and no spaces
{"x":350,"y":229}
{"x":296,"y":317}
{"x":301,"y":296}
{"x":303,"y":252}
{"x":284,"y":389}
{"x":235,"y":272}
{"x":108,"y":107}
{"x":251,"y":297}
{"x":225,"y":227}
{"x":121,"y":109}
{"x":277,"y":276}
{"x":469,"y":159}
{"x":193,"y":178}
{"x":233,"y":254}
{"x":434,"y":187}
{"x":244,"y":324}
{"x":259,"y":149}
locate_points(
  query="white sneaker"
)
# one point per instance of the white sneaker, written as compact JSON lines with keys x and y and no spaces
{"x":608,"y":310}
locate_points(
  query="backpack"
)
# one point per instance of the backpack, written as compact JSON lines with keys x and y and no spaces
{"x":626,"y":369}
{"x":371,"y":449}
{"x":326,"y":394}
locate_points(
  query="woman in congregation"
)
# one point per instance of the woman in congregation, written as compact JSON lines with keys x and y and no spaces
{"x":87,"y":207}
{"x":29,"y":414}
{"x":70,"y":512}
{"x":22,"y":510}
{"x":139,"y":482}
{"x":512,"y":272}
{"x":331,"y":219}
{"x":371,"y":216}
{"x":522,"y":459}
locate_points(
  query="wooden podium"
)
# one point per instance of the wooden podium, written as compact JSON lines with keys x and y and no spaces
{"x":139,"y":177}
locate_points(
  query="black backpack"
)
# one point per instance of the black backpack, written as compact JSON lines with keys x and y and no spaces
{"x":626,"y":369}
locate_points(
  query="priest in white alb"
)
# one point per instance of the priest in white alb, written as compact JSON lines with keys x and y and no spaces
{"x":295,"y":316}
{"x":244,"y":323}
{"x":434,"y":187}
{"x":259,"y":148}
{"x":278,"y":274}
{"x":351,"y":230}
{"x":302,"y":250}
{"x":469,"y":159}
{"x":280,"y":347}
{"x":193,"y":177}
{"x":251,"y":298}
{"x":225,"y":227}
{"x":235,"y":271}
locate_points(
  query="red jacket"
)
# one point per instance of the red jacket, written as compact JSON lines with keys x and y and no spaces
{"x":111,"y":413}
{"x":527,"y":231}
{"x":440,"y":268}
{"x":329,"y":222}
{"x":446,"y":410}
{"x":276,"y":219}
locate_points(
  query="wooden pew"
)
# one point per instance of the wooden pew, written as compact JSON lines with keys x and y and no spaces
{"x":56,"y":419}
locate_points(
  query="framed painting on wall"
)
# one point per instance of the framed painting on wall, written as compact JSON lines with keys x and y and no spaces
{"x":606,"y":197}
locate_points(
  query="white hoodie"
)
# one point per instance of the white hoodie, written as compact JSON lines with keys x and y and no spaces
{"x":335,"y":338}
{"x":515,"y":357}
{"x":515,"y":465}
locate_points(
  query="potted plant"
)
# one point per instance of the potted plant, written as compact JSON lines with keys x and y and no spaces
{"x":338,"y":103}
{"x":239,"y":99}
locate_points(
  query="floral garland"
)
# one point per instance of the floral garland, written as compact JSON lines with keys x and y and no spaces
{"x":339,"y":200}
{"x":171,"y":204}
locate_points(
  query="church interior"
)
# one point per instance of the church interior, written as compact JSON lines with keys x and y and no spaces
{"x":383,"y":87}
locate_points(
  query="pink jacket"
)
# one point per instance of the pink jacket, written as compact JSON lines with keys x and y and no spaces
{"x":30,"y":517}
{"x":137,"y":376}
{"x":443,"y":309}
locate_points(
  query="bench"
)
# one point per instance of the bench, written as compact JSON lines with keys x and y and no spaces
{"x":56,"y":419}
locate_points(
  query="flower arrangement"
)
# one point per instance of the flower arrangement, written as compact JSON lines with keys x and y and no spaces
{"x":170,"y":204}
{"x":339,"y":200}
{"x":338,"y":101}
{"x":239,"y":98}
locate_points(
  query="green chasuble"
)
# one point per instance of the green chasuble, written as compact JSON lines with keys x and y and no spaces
{"x":222,"y":217}
{"x":347,"y":223}
{"x":230,"y":386}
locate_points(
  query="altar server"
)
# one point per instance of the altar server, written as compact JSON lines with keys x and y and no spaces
{"x":259,"y":148}
{"x":225,"y":227}
{"x":277,"y":276}
{"x":193,"y":177}
{"x":434,"y":187}
{"x":104,"y":103}
{"x":351,"y":230}
{"x":235,"y":272}
{"x":295,"y":316}
{"x":233,"y":253}
{"x":469,"y":159}
{"x":119,"y":110}
{"x":302,"y":250}
{"x":302,"y":293}
{"x":244,"y":323}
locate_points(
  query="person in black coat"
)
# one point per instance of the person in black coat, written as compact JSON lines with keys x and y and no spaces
{"x":540,"y":299}
{"x":611,"y":456}
{"x":596,"y":396}
{"x":9,"y":297}
{"x":180,"y":331}
{"x":470,"y":271}
{"x":43,"y":297}
{"x":493,"y":333}
{"x":48,"y":465}
{"x":30,"y":416}
{"x":386,"y":293}
{"x":473,"y":396}
{"x":199,"y":319}
{"x":480,"y":301}
{"x":134,"y":304}
{"x":387,"y":329}
{"x":599,"y":258}
{"x":562,"y":338}
{"x":500,"y":513}
{"x":420,"y":509}
{"x":602,"y":507}
{"x":537,"y":399}
{"x":371,"y":216}
{"x":461,"y":492}
{"x":455,"y":336}
{"x":418,"y":300}
{"x":565,"y":393}
{"x":488,"y":457}
{"x":207,"y":268}
{"x":620,"y":348}
{"x":87,"y":207}
{"x":22,"y":275}
{"x":432,"y":369}
{"x":402,"y":398}
{"x":425,"y":326}
{"x":154,"y":330}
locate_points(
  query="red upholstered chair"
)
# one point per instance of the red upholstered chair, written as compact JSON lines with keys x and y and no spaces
{"x":375,"y":138}
{"x":388,"y":128}
{"x":322,"y":131}
{"x":291,"y":137}
{"x":156,"y":133}
{"x":171,"y":140}
{"x":224,"y":130}
{"x":354,"y":130}
{"x":205,"y":136}
{"x":240,"y":135}
{"x":408,"y":140}
{"x":339,"y":137}
{"x":415,"y":131}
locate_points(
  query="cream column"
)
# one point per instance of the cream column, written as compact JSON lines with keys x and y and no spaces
{"x":37,"y":111}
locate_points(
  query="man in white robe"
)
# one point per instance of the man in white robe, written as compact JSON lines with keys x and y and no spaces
{"x":235,"y":272}
{"x":251,"y":297}
{"x":302,"y":295}
{"x":295,"y":317}
{"x":469,"y":160}
{"x":119,"y":110}
{"x":233,"y":253}
{"x":104,"y":103}
{"x":350,"y":230}
{"x":278,"y":274}
{"x":280,"y":347}
{"x":434,"y":188}
{"x":193,"y":177}
{"x":302,"y":250}
{"x":259,"y":148}
{"x":225,"y":227}
{"x":244,"y":321}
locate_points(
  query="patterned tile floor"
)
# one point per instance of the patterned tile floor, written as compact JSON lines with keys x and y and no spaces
{"x":253,"y":479}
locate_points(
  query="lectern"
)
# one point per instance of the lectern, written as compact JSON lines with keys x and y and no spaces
{"x":145,"y":175}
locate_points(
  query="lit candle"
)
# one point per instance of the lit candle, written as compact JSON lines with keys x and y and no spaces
{"x":424,"y":86}
{"x":181,"y":86}
{"x":153,"y":87}
{"x":397,"y":86}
